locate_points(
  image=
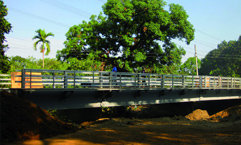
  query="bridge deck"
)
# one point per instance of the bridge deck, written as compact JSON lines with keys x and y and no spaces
{"x":62,"y":89}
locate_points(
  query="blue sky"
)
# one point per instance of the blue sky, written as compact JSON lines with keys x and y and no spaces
{"x":213,"y":20}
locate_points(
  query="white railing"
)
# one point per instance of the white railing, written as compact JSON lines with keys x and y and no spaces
{"x":34,"y":78}
{"x":5,"y":81}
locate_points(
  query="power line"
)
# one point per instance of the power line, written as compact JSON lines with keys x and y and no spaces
{"x":32,"y":41}
{"x":223,"y":57}
{"x":207,"y":45}
{"x":66,"y":7}
{"x":209,"y":35}
{"x":38,"y":17}
{"x":102,"y":1}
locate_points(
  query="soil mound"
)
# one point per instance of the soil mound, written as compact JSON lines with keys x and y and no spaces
{"x":229,"y":114}
{"x":198,"y":115}
{"x":22,"y":120}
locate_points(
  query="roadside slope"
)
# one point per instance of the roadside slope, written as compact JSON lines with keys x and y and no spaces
{"x":22,"y":119}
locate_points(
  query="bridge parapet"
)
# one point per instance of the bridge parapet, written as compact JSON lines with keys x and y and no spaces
{"x":67,"y":79}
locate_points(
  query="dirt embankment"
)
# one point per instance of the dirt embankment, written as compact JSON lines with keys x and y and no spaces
{"x":22,"y":120}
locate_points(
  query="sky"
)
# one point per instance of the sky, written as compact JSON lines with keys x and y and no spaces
{"x":214,"y":21}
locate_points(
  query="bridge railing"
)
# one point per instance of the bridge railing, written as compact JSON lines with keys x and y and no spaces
{"x":36,"y":78}
{"x":5,"y":81}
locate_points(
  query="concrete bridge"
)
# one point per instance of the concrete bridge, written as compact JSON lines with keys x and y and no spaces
{"x":65,"y":89}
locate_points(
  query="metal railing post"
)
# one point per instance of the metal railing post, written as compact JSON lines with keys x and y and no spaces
{"x":162,"y":81}
{"x":192,"y":82}
{"x":232,"y":83}
{"x":219,"y":81}
{"x":149,"y":81}
{"x":65,"y":79}
{"x":139,"y":80}
{"x":30,"y":79}
{"x":101,"y":79}
{"x":110,"y":80}
{"x":215,"y":85}
{"x":200,"y":82}
{"x":240,"y":84}
{"x":183,"y":81}
{"x":172,"y":81}
{"x":23,"y":79}
{"x":74,"y":78}
{"x":228,"y":83}
{"x":120,"y":81}
{"x":135,"y":81}
{"x":93,"y":82}
{"x":53,"y":79}
{"x":205,"y":82}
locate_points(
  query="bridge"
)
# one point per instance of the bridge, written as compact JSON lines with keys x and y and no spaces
{"x":66,"y":89}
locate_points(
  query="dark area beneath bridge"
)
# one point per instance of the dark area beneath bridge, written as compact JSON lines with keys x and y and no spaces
{"x":147,"y":111}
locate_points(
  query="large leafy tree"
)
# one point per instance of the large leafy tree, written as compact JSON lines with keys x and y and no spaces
{"x":5,"y":28}
{"x":189,"y":66}
{"x":132,"y":34}
{"x":223,"y":61}
{"x":42,"y":39}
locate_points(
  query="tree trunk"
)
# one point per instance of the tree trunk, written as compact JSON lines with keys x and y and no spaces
{"x":43,"y":58}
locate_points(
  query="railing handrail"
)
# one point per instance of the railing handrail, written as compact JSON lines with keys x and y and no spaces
{"x":119,"y":80}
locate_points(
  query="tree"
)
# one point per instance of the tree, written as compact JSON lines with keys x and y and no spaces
{"x":223,"y":61}
{"x":18,"y":63}
{"x":5,"y":28}
{"x":189,"y":66}
{"x":42,"y":38}
{"x":130,"y":36}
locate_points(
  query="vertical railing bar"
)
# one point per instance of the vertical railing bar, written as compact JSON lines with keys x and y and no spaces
{"x":228,"y":83}
{"x":65,"y":79}
{"x":162,"y":82}
{"x":53,"y":79}
{"x":205,"y":82}
{"x":101,"y":79}
{"x":74,"y":78}
{"x":120,"y":82}
{"x":135,"y":82}
{"x":139,"y":80}
{"x":192,"y":82}
{"x":240,"y":84}
{"x":183,"y":81}
{"x":23,"y":79}
{"x":214,"y":81}
{"x":93,"y":81}
{"x":30,"y":79}
{"x":220,"y":81}
{"x":110,"y":80}
{"x":172,"y":81}
{"x":149,"y":81}
{"x":232,"y":83}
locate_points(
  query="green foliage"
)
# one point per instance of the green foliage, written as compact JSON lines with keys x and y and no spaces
{"x":223,"y":61}
{"x":19,"y":63}
{"x":56,"y":115}
{"x":91,"y":63}
{"x":42,"y":39}
{"x":189,"y":66}
{"x":5,"y":28}
{"x":4,"y":64}
{"x":129,"y":36}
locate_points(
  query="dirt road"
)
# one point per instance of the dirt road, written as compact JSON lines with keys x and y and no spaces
{"x":120,"y":131}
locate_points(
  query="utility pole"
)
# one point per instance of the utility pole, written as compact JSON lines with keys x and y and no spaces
{"x":196,"y":59}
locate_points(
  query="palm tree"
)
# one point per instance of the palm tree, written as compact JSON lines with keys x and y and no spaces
{"x":42,"y":38}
